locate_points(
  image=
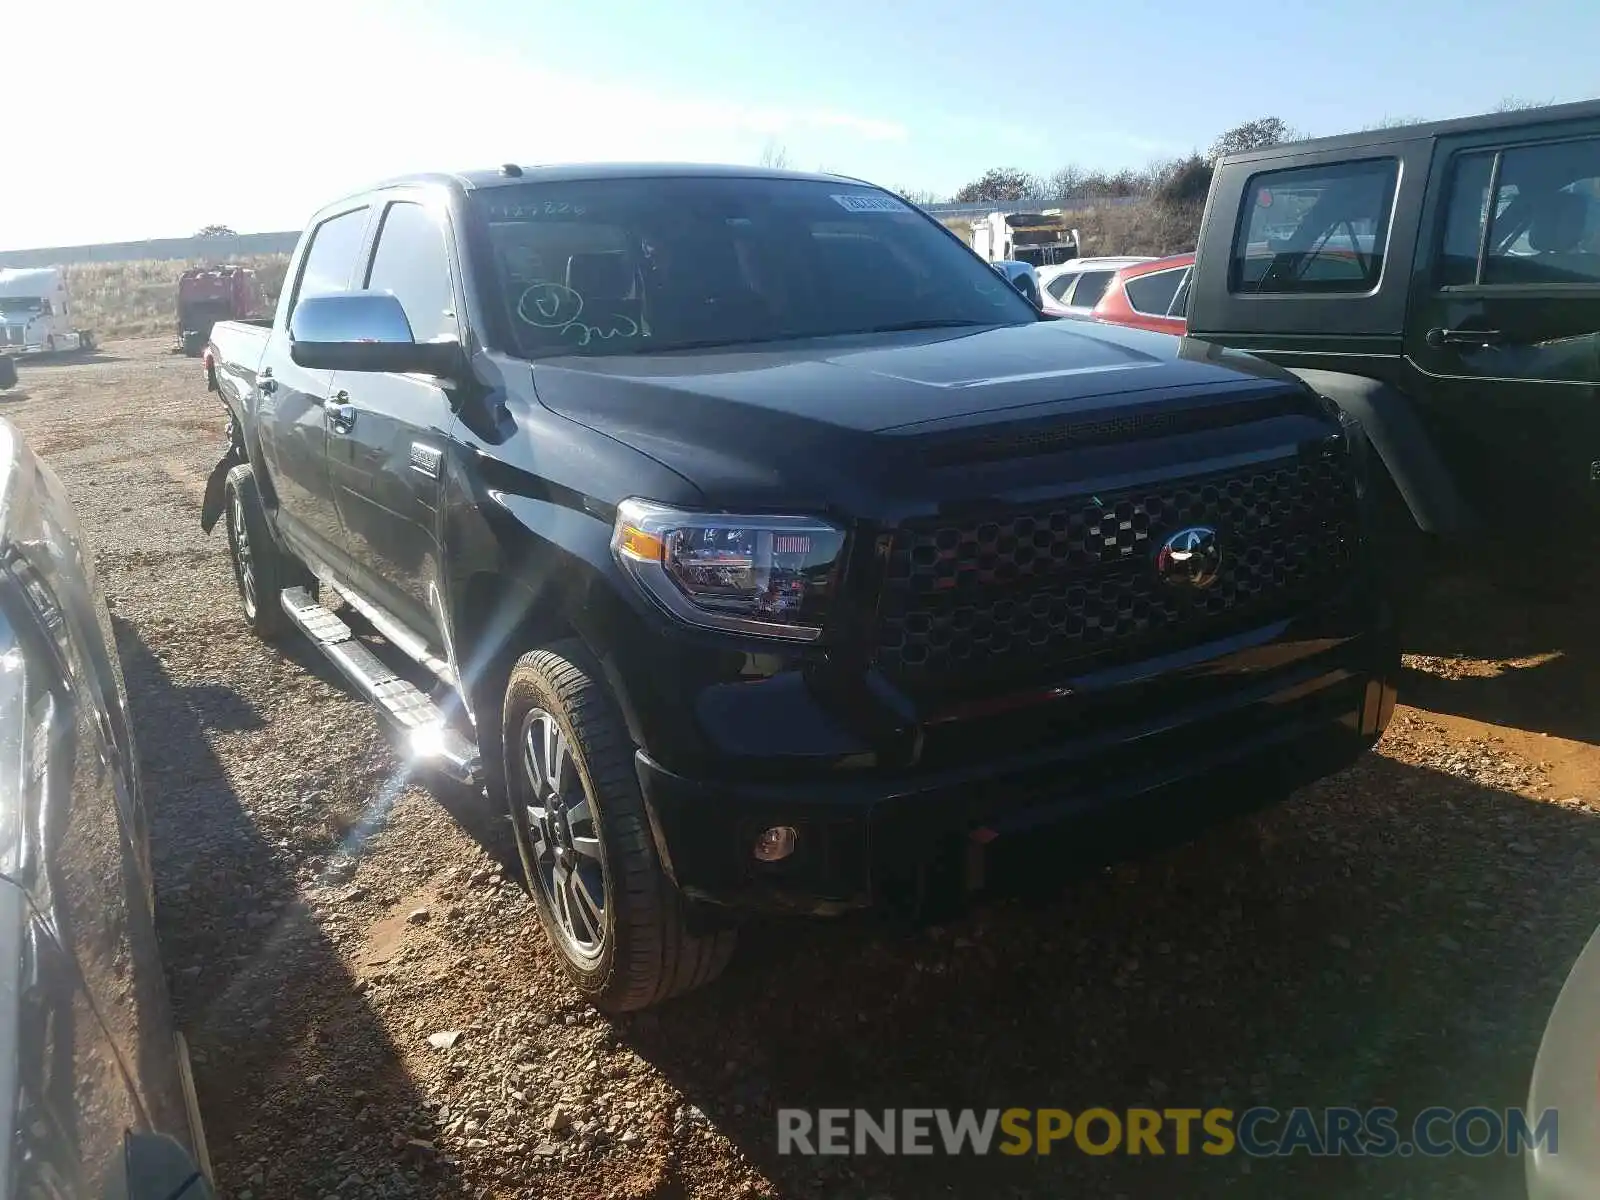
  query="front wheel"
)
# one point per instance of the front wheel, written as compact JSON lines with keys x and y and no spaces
{"x":614,"y":919}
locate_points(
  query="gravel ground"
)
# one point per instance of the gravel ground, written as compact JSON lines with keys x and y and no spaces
{"x":373,"y":1014}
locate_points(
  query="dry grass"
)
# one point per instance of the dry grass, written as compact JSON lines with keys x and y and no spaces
{"x":140,"y":299}
{"x":1143,"y":228}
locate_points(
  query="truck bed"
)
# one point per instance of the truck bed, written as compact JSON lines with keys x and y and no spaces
{"x":233,"y":358}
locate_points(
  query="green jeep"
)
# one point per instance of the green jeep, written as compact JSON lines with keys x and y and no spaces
{"x":1441,"y":283}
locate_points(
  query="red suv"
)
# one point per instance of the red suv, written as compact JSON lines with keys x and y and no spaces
{"x":1150,"y":295}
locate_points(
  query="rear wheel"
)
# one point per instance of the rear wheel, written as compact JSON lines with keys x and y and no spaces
{"x":260,"y":568}
{"x":614,"y":919}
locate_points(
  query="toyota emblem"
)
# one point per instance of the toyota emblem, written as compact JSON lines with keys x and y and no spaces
{"x":1190,"y":558}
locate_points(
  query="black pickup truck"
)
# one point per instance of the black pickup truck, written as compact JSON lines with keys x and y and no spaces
{"x":763,"y":549}
{"x":1440,"y":282}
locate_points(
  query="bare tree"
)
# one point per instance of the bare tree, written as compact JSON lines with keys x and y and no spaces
{"x":775,"y":155}
{"x":1518,"y":103}
{"x":1001,"y":184}
{"x":1067,"y":183}
{"x":1252,"y":135}
{"x":1391,"y":123}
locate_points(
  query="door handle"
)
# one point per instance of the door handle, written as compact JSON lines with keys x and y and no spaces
{"x":1439,"y":338}
{"x":341,"y":415}
{"x":266,"y":383}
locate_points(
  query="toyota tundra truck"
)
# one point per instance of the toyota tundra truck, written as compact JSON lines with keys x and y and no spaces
{"x":758,"y":547}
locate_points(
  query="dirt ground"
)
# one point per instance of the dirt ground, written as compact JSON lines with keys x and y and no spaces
{"x":1395,"y":935}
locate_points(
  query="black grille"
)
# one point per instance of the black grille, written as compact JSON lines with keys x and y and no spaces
{"x":1020,"y":590}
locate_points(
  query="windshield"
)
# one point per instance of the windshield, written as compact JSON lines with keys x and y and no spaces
{"x":21,"y":304}
{"x":630,"y":266}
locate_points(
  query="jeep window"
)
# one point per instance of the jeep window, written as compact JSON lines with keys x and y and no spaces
{"x":630,"y":266}
{"x":1152,"y":294}
{"x":1314,"y":230}
{"x":412,"y":265}
{"x":1058,"y":286}
{"x":330,"y":260}
{"x":1546,"y":223}
{"x":1091,"y":286}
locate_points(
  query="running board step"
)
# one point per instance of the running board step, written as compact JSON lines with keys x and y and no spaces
{"x":429,"y":736}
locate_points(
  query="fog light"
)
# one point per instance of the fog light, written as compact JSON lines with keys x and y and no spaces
{"x":776,"y":843}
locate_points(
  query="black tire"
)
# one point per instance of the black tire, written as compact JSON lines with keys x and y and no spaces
{"x":260,"y":569}
{"x":645,"y":952}
{"x":86,"y":341}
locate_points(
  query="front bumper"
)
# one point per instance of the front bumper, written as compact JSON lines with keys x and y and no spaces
{"x":1146,"y":774}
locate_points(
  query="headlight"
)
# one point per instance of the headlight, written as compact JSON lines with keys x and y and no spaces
{"x":769,"y":576}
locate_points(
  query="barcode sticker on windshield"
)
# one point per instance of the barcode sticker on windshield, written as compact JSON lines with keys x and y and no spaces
{"x":870,"y":204}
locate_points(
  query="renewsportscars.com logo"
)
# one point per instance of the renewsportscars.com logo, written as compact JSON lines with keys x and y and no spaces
{"x":1257,"y":1132}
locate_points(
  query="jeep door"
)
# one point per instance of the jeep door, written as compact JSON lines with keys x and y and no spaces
{"x":1504,"y":333}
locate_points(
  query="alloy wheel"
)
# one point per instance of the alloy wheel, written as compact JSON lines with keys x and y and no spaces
{"x":244,"y":567}
{"x":568,"y":863}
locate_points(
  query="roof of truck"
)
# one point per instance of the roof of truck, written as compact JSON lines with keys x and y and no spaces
{"x":574,"y":172}
{"x":1512,"y":119}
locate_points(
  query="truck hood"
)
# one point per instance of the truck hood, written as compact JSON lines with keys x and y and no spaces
{"x":740,"y":419}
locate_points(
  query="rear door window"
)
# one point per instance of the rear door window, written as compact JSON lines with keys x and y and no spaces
{"x":1058,"y":286}
{"x":330,"y":260}
{"x":1545,"y":224}
{"x":1091,"y":286}
{"x":1152,"y":294}
{"x":1315,"y":230}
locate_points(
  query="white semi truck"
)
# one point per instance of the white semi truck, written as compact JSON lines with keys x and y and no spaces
{"x":36,"y":312}
{"x":1041,"y":239}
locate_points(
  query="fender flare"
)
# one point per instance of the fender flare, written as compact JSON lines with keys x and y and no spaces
{"x":1396,"y":434}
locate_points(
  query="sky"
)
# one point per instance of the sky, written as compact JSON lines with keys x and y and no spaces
{"x":155,"y":117}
